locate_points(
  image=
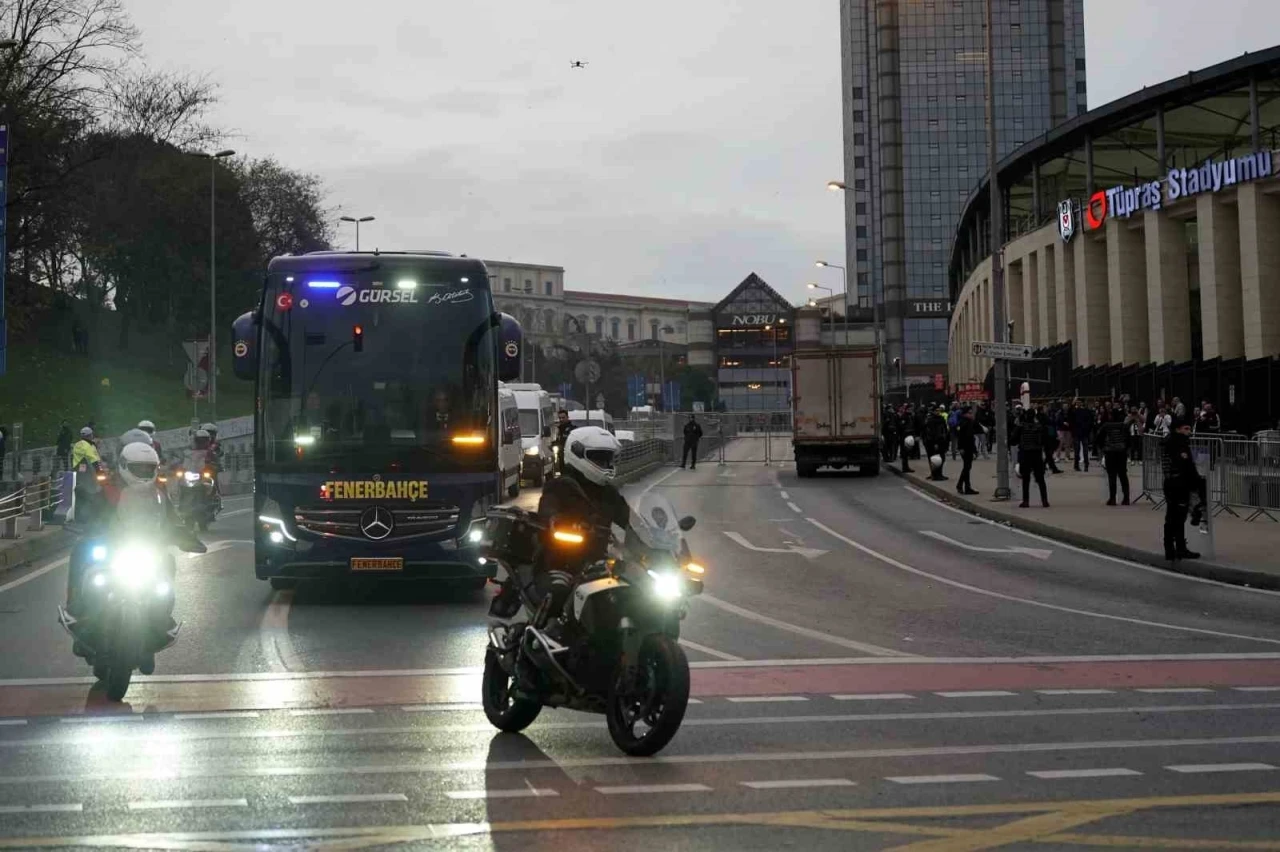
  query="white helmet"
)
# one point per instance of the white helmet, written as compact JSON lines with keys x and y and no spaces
{"x":910,"y":442}
{"x":211,"y":428}
{"x":935,"y":461}
{"x":86,"y":433}
{"x":591,"y":452}
{"x":135,"y":436}
{"x":147,"y":426}
{"x":200,"y":439}
{"x":138,"y":464}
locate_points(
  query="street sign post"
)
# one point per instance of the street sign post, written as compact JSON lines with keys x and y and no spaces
{"x":1004,"y":351}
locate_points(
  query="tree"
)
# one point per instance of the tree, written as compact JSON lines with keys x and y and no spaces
{"x":287,"y":208}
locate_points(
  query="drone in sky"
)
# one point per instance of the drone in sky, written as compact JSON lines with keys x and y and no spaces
{"x":577,"y":63}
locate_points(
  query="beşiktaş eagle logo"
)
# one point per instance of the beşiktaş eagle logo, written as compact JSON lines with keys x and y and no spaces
{"x":1066,"y":220}
{"x":347,"y":296}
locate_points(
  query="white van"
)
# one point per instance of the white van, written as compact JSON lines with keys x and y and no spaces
{"x":592,"y":417}
{"x":509,"y":448}
{"x":537,"y":424}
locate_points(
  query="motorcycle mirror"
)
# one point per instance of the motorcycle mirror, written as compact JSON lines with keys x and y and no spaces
{"x":687,"y":522}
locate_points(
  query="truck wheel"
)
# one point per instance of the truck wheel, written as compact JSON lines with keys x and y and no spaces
{"x":872,"y":469}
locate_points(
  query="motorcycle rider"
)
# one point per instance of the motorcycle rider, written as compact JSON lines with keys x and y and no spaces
{"x":150,"y":428}
{"x":213,"y":458}
{"x":86,"y":462}
{"x":584,"y":492}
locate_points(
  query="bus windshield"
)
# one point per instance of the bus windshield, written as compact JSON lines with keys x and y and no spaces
{"x":374,"y":370}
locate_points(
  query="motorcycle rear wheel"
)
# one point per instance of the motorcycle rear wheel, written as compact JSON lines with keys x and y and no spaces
{"x":118,"y":677}
{"x":659,"y":703}
{"x":504,"y":710}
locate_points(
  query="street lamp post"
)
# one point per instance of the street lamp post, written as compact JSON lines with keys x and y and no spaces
{"x":774,"y":330}
{"x":662,"y":366}
{"x":831,"y":297}
{"x":213,"y":275}
{"x":357,"y":223}
{"x":844,"y":279}
{"x":1002,"y":491}
{"x":876,"y":307}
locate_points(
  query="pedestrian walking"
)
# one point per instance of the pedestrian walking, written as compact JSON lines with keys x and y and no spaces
{"x":692,"y":435}
{"x":1181,"y":481}
{"x":1050,"y":444}
{"x":1029,"y":435}
{"x":889,"y":434}
{"x":62,"y":448}
{"x":966,"y":438}
{"x":1113,"y":435}
{"x":1133,"y":427}
{"x":907,"y":428}
{"x":1082,"y":422}
{"x":936,"y":437}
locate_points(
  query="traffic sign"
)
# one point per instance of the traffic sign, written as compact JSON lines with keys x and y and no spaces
{"x":1004,"y":351}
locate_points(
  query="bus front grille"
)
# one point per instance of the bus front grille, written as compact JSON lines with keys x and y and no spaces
{"x":435,"y":520}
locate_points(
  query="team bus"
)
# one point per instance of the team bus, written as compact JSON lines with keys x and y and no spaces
{"x":376,"y":433}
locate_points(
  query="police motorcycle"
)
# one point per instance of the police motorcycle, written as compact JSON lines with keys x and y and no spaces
{"x":614,"y":647}
{"x":120,"y":592}
{"x":195,"y":496}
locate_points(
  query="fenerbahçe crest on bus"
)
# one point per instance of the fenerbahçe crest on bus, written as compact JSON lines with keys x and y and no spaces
{"x":374,"y":489}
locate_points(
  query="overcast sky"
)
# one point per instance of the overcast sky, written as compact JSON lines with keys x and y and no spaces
{"x":692,"y":150}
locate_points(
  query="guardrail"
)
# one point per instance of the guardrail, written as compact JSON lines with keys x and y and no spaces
{"x":29,"y":500}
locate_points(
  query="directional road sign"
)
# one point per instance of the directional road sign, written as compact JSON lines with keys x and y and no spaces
{"x":1005,"y":351}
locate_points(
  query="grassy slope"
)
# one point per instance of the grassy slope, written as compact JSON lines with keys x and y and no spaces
{"x":44,"y":385}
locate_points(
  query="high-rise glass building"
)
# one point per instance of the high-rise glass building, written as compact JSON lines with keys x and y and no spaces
{"x":915,"y":141}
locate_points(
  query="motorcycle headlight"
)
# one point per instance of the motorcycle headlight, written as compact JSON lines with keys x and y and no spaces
{"x":135,"y":565}
{"x":667,"y":585}
{"x":99,"y":553}
{"x":191,"y":476}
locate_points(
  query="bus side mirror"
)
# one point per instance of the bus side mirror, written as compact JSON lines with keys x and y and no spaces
{"x":244,"y":346}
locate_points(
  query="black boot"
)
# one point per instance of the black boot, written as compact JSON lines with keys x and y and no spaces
{"x":1184,"y":553}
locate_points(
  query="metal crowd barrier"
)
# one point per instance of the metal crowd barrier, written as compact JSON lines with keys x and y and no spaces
{"x":1240,"y":473}
{"x":1152,"y":471}
{"x":641,"y":455}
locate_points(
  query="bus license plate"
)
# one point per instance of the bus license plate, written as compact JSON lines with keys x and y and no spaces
{"x":391,"y":563}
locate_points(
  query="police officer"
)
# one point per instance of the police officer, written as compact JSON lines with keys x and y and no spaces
{"x":1029,"y":437}
{"x":563,"y":428}
{"x":1181,"y":480}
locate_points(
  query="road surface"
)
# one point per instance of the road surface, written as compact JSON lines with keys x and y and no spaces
{"x":872,"y":669}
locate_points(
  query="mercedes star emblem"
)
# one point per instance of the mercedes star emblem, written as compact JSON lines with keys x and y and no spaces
{"x":376,"y":523}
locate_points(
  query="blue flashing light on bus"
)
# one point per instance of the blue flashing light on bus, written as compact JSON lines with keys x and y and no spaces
{"x":323,"y":285}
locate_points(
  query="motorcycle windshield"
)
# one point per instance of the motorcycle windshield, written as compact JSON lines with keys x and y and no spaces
{"x":655,"y":522}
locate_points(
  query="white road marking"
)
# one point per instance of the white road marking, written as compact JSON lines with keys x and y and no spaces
{"x":218,"y":714}
{"x":182,"y":804}
{"x":12,"y":722}
{"x":1170,"y":690}
{"x":440,"y":708}
{"x":348,"y":798}
{"x":901,"y":658}
{"x":661,"y":479}
{"x":864,"y":647}
{"x":517,"y":793}
{"x":798,"y":783}
{"x":695,"y":701}
{"x":941,"y":779}
{"x":873,"y":696}
{"x":333,"y":711}
{"x":630,"y":789}
{"x":1256,"y":688}
{"x":1116,"y":559}
{"x":77,"y":720}
{"x":1189,"y":768}
{"x":784,"y":495}
{"x":1050,"y":774}
{"x":42,"y":809}
{"x":710,"y":652}
{"x":273,"y":634}
{"x":239,"y":769}
{"x":976,"y":693}
{"x":806,"y":552}
{"x":1075,"y":692}
{"x":1026,"y":551}
{"x":39,"y":572}
{"x":765,"y":699}
{"x":794,"y":507}
{"x":234,"y":512}
{"x":902,"y":566}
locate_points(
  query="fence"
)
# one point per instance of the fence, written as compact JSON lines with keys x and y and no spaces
{"x":27,"y":499}
{"x":759,"y":437}
{"x":1240,"y":473}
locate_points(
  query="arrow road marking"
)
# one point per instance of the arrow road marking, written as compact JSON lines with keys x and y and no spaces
{"x":1026,"y":551}
{"x":806,"y":552}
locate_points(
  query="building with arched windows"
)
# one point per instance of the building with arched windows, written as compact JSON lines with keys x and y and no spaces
{"x":1142,"y":249}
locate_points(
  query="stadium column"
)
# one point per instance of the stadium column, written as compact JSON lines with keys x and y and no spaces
{"x":1093,"y":328}
{"x":1065,"y":293}
{"x":1031,"y":298}
{"x":1127,"y":293}
{"x":1168,"y":287}
{"x":1045,"y":284}
{"x":1221,"y":312}
{"x":1013,"y":291}
{"x":1259,"y":271}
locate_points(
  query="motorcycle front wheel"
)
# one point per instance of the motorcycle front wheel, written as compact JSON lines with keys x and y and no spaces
{"x":118,"y":677}
{"x":644,"y":718}
{"x":505,"y":710}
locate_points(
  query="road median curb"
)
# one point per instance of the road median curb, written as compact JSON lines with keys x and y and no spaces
{"x":33,"y":548}
{"x":1193,"y":567}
